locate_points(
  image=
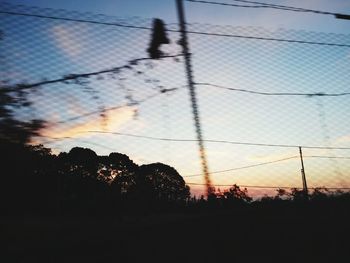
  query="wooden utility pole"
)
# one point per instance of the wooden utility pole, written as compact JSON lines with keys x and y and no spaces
{"x":191,"y":86}
{"x":306,"y":192}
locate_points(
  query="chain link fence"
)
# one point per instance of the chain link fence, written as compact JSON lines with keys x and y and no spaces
{"x":262,"y":93}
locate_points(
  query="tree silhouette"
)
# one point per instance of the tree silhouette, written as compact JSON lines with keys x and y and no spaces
{"x":79,"y":183}
{"x":281,"y":193}
{"x":161,"y":182}
{"x":236,"y":194}
{"x":297,"y":195}
{"x":121,"y":172}
{"x":28,"y":178}
{"x":319,"y":193}
{"x":13,"y":130}
{"x":81,"y":162}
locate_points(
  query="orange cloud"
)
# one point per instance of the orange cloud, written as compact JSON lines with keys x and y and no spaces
{"x":113,"y":121}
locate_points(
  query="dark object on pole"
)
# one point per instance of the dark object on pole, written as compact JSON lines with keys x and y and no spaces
{"x":342,"y":16}
{"x":195,"y":110}
{"x":306,"y":191}
{"x":159,"y":37}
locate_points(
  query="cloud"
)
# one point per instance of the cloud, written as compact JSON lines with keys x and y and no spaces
{"x":68,"y":39}
{"x":114,"y":120}
{"x":343,"y":139}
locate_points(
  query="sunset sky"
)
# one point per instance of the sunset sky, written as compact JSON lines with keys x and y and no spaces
{"x":37,"y":48}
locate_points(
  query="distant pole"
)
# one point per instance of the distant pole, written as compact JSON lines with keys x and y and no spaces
{"x":306,"y":192}
{"x":191,"y":86}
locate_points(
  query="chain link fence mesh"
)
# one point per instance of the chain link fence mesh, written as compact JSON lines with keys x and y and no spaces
{"x":261,"y":94}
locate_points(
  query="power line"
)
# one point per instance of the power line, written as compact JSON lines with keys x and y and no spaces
{"x":247,"y":186}
{"x":244,"y":167}
{"x":271,"y":187}
{"x":226,"y":185}
{"x":114,"y":107}
{"x":75,"y":20}
{"x":266,"y":163}
{"x":220,"y":141}
{"x":177,"y":31}
{"x":104,"y":110}
{"x":226,"y":4}
{"x":327,"y":157}
{"x":86,"y":75}
{"x":267,"y":5}
{"x":89,"y":114}
{"x":320,"y":94}
{"x":268,"y":39}
{"x":70,"y":77}
{"x":231,"y":169}
{"x":53,"y":139}
{"x":289,"y":8}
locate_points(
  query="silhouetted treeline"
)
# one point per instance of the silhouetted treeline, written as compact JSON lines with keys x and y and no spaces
{"x":35,"y":181}
{"x":81,"y":182}
{"x":293,"y":202}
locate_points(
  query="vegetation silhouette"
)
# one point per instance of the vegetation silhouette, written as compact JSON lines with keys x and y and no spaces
{"x":81,"y":182}
{"x":82,"y":206}
{"x":12,"y":129}
{"x":36,"y":181}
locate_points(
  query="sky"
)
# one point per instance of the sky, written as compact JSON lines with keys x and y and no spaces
{"x":37,"y":48}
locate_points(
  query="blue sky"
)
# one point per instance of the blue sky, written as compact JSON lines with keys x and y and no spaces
{"x":53,"y":48}
{"x":165,"y":9}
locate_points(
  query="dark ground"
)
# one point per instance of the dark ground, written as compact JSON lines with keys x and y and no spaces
{"x":228,"y":236}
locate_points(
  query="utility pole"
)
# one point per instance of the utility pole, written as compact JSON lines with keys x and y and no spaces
{"x":306,"y":192}
{"x":191,"y":86}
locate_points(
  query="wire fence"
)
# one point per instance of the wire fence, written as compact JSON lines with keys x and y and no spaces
{"x":262,"y":93}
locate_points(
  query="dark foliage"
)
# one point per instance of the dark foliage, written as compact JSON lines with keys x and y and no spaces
{"x":81,"y":182}
{"x":13,"y":130}
{"x":34,"y":181}
{"x":109,"y":207}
